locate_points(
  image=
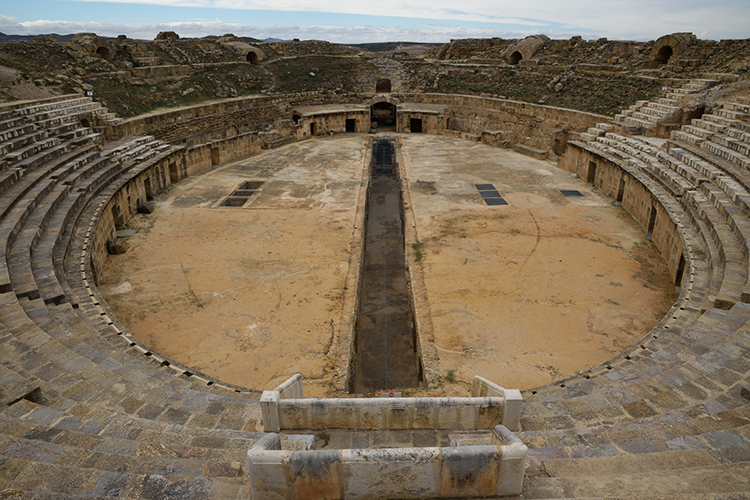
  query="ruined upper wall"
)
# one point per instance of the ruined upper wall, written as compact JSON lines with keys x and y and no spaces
{"x":133,"y":77}
{"x":687,"y":54}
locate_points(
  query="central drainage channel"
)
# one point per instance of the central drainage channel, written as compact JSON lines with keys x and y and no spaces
{"x":386,"y":354}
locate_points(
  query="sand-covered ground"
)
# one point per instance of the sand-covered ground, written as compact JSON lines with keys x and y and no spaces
{"x":522,"y":294}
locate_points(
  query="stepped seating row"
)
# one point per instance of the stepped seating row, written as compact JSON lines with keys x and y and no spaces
{"x":26,"y":131}
{"x":647,"y":115}
{"x":670,"y":408}
{"x":92,"y":413}
{"x":86,"y":410}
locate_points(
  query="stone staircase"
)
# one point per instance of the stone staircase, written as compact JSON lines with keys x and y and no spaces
{"x":86,"y":411}
{"x":658,"y":117}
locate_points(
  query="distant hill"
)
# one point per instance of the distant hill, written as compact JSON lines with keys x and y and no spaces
{"x":410,"y":47}
{"x":65,"y":38}
{"x":30,"y":38}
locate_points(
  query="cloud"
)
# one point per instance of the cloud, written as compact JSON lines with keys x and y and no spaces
{"x":417,"y":20}
{"x":642,"y":19}
{"x":338,"y":34}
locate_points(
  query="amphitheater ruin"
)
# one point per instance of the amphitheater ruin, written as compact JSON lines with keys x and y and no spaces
{"x":538,"y":248}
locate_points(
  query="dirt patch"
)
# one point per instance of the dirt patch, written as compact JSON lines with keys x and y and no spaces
{"x":522,"y":294}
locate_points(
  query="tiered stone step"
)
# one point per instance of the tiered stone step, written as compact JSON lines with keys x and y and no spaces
{"x":54,"y":452}
{"x":686,"y":474}
{"x":645,"y":116}
{"x":684,"y":384}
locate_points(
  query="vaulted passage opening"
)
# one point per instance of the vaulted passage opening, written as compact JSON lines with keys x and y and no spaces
{"x":104,"y":53}
{"x":516,"y":57}
{"x":252,"y":57}
{"x":664,"y":54}
{"x":383,"y":85}
{"x":385,"y":354}
{"x":384,"y":113}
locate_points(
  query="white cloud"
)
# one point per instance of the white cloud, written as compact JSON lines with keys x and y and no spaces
{"x":616,"y":19}
{"x":338,"y":34}
{"x":641,"y":19}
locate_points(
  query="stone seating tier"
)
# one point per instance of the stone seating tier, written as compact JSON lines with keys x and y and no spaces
{"x":114,"y":420}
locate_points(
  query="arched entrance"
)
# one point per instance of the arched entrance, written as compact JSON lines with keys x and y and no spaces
{"x":252,"y":57}
{"x":516,"y":57}
{"x":383,"y":85}
{"x":103,"y":53}
{"x":384,"y":113}
{"x":664,"y":54}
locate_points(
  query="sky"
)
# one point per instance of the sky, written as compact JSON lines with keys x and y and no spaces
{"x":347,"y":21}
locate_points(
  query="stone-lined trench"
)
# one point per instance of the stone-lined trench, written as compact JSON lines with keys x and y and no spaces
{"x":385,"y":354}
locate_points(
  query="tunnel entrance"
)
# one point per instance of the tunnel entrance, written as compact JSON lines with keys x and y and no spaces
{"x":385,"y":354}
{"x":384,"y":113}
{"x":383,"y":86}
{"x":516,"y":57}
{"x":664,"y":54}
{"x":103,"y":52}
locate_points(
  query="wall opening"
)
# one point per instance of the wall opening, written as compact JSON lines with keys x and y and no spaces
{"x":383,"y":85}
{"x":415,"y":124}
{"x":591,"y":174}
{"x":85,"y":123}
{"x":516,"y":57}
{"x":117,"y":216}
{"x":351,"y":125}
{"x":215,"y":156}
{"x":664,"y":54}
{"x":312,"y":129}
{"x":147,"y":188}
{"x":620,"y":190}
{"x":384,"y":113}
{"x":174,"y":175}
{"x":651,"y":221}
{"x":103,"y":52}
{"x":252,"y":57}
{"x":296,"y":117}
{"x":680,"y":272}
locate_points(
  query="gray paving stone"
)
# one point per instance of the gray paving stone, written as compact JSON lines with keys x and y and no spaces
{"x":721,"y":439}
{"x":638,"y":447}
{"x":685,"y":443}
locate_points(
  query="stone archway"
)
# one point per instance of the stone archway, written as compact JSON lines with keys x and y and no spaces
{"x":103,"y":52}
{"x":383,"y":112}
{"x":664,"y":54}
{"x":670,"y":45}
{"x":252,"y":57}
{"x":515,"y":58}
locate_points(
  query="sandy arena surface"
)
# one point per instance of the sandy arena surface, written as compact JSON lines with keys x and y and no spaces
{"x":522,"y":294}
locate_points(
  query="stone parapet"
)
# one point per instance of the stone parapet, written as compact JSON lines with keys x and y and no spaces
{"x":474,"y":471}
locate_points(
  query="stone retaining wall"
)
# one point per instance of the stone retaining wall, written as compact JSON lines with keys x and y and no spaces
{"x":635,"y":198}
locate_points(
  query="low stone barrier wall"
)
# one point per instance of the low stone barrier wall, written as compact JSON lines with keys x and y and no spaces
{"x":285,"y":408}
{"x":475,"y":471}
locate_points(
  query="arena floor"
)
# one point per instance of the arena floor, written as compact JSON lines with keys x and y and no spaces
{"x":522,"y":294}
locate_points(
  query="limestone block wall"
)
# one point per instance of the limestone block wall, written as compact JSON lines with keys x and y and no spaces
{"x":635,"y":198}
{"x":204,"y":156}
{"x":452,"y":472}
{"x":124,"y":204}
{"x":176,"y":124}
{"x":540,"y":127}
{"x":324,"y":123}
{"x":432,"y":123}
